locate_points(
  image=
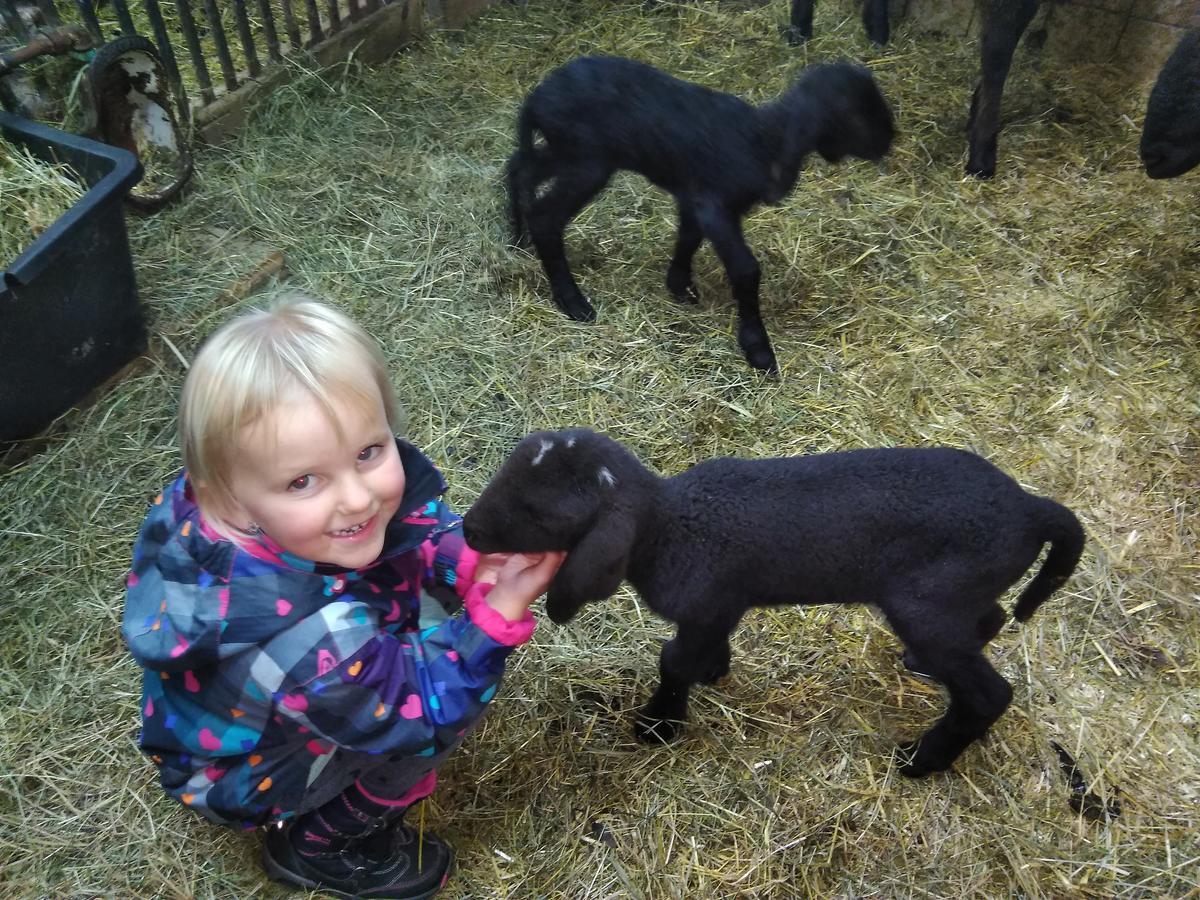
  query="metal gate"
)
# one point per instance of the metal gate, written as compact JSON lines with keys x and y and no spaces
{"x":240,"y":36}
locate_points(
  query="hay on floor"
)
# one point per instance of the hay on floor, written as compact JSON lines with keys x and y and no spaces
{"x":1047,"y":319}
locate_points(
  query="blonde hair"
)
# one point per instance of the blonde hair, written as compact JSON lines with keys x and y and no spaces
{"x":249,"y":365}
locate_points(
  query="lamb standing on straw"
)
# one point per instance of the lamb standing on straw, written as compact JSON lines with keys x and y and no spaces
{"x":931,"y":536}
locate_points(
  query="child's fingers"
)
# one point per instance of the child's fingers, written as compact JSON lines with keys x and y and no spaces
{"x":551,"y":562}
{"x":534,"y":570}
{"x":490,"y":565}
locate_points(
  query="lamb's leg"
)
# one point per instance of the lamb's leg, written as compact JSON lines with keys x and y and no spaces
{"x":988,"y":627}
{"x":978,"y":697}
{"x":687,"y":242}
{"x":518,"y":197}
{"x":696,"y":654}
{"x":526,"y":171}
{"x":572,"y":188}
{"x":875,"y":21}
{"x":800,"y":26}
{"x":1003,"y":24}
{"x":724,"y":230}
{"x":948,"y":646}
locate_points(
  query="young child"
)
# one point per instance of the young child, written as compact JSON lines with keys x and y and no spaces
{"x":290,"y":603}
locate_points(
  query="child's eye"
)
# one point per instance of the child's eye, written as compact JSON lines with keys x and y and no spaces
{"x":366,"y":454}
{"x":300,"y":483}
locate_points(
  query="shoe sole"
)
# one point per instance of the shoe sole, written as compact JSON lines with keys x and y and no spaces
{"x":279,"y":874}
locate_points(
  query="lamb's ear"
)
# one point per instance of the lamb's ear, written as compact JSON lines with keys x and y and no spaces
{"x":594,"y":569}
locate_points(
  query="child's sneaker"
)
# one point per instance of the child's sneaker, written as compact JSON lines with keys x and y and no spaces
{"x":351,"y":873}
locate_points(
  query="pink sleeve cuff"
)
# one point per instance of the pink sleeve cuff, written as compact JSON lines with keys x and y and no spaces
{"x":464,"y":572}
{"x":494,"y":625}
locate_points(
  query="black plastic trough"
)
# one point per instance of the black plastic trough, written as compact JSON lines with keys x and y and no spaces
{"x":69,"y":312}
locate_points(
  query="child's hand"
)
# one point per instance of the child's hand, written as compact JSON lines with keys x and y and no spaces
{"x":487,"y":569}
{"x":520,"y":579}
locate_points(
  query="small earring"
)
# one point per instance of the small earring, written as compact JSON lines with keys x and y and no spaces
{"x":252,"y":528}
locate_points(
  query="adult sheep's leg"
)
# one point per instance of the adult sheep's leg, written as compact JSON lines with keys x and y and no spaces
{"x":572,"y":187}
{"x":1004,"y":21}
{"x":875,"y":21}
{"x":687,"y":242}
{"x":697,"y":654}
{"x":724,"y":231}
{"x":800,"y":26}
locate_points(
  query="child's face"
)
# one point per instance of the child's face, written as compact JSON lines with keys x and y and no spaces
{"x":320,"y":496}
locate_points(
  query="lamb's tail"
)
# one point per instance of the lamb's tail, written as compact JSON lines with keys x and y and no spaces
{"x":520,"y":187}
{"x":1061,"y":528}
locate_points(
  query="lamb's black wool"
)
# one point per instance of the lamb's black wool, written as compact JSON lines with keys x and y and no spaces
{"x":931,"y":536}
{"x":717,"y":155}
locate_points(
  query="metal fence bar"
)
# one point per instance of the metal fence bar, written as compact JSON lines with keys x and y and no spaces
{"x":246,"y":36}
{"x":188,"y":25}
{"x":49,"y":12}
{"x":314,"y":22}
{"x":335,"y":17}
{"x":13,"y":21}
{"x":370,"y":5}
{"x":268,"y":24}
{"x":88,"y":13}
{"x":289,"y":22}
{"x":167,"y":52}
{"x":126,"y":20}
{"x":218,"y":35}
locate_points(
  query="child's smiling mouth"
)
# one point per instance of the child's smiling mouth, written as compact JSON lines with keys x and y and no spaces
{"x":355,"y":531}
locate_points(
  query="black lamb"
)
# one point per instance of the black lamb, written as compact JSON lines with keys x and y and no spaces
{"x":717,"y":155}
{"x":933,"y":537}
{"x":1004,"y":21}
{"x":1171,"y":132}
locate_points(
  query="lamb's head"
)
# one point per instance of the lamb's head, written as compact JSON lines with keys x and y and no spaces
{"x":1171,"y":133}
{"x":854,"y":118}
{"x":544,"y":497}
{"x":560,"y":491}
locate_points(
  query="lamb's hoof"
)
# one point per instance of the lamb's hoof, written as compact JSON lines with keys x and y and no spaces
{"x":717,"y":673}
{"x":576,"y":307}
{"x":756,"y":347}
{"x":916,"y":764}
{"x":916,"y":666}
{"x":763,"y":359}
{"x":981,"y":161}
{"x":795,"y":36}
{"x":878,"y":35}
{"x":683,"y":290}
{"x":656,"y":731}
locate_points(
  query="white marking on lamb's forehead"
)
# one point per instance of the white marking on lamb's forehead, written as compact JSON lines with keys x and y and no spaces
{"x":570,"y":442}
{"x":545,"y":445}
{"x":606,"y":477}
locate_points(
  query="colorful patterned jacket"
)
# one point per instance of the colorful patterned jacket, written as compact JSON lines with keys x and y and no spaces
{"x":259,"y":665}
